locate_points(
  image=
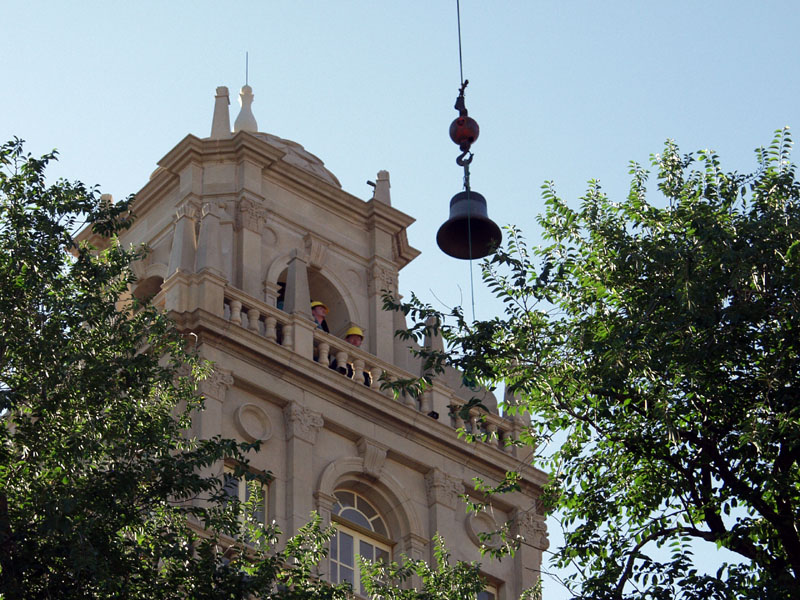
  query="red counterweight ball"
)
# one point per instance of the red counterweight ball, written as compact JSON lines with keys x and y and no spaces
{"x":464,"y":131}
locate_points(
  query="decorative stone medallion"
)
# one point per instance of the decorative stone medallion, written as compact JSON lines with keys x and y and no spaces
{"x":483,"y":523}
{"x":253,"y":423}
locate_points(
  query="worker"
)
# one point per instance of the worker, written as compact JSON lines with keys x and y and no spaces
{"x":319,"y":311}
{"x":354,"y":336}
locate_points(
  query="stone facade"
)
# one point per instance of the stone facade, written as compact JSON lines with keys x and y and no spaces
{"x":242,"y":223}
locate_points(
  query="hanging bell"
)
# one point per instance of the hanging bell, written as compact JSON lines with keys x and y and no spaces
{"x":469,"y":232}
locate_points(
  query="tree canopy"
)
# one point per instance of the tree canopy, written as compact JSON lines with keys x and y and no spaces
{"x":658,"y":340}
{"x":102,"y":493}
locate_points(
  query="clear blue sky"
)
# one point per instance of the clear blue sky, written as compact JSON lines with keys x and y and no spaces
{"x":567,"y":90}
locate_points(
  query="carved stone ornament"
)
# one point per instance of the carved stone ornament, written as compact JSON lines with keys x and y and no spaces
{"x":216,"y":384}
{"x":302,"y":422}
{"x":316,"y":250}
{"x":250,"y":215}
{"x":381,"y":279}
{"x":483,"y":523}
{"x":442,"y":488}
{"x":531,"y":526}
{"x":189,"y":210}
{"x":253,"y":423}
{"x":374,"y":455}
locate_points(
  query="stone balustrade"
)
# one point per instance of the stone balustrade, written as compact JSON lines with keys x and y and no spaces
{"x":351,"y":362}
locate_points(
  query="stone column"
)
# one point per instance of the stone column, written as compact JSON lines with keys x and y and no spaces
{"x":302,"y":427}
{"x":416,"y":548}
{"x":382,"y":276}
{"x":210,"y":287}
{"x":181,"y":259}
{"x":209,"y":252}
{"x":207,"y":423}
{"x":297,"y":296}
{"x":442,"y":491}
{"x":184,"y":242}
{"x":226,"y":238}
{"x":250,"y":220}
{"x":530,"y":526}
{"x":298,"y":304}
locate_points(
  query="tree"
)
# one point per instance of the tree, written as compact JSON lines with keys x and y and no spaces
{"x":659,"y":341}
{"x":99,"y":482}
{"x":98,"y":479}
{"x":461,"y":581}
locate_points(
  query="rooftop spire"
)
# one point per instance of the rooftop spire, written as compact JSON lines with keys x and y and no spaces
{"x":221,"y":124}
{"x":246,"y":121}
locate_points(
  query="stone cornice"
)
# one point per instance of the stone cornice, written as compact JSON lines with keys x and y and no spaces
{"x":352,"y":396}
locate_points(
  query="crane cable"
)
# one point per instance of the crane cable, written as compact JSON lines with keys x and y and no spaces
{"x":466,"y":165}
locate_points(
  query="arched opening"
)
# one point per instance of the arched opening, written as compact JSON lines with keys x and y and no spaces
{"x":323,"y":290}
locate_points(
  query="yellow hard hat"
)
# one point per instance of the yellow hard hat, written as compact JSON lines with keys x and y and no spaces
{"x":354,"y":331}
{"x":318,"y":303}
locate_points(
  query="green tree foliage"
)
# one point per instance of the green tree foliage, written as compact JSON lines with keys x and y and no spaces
{"x":461,"y":581}
{"x":98,"y":481}
{"x":660,"y":342}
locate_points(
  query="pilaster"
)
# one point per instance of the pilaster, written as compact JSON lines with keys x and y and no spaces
{"x":382,"y":276}
{"x":530,"y":526}
{"x":250,"y":219}
{"x":298,"y":297}
{"x":302,"y":427}
{"x":207,"y":422}
{"x":209,"y":252}
{"x":442,"y":491}
{"x":184,"y":242}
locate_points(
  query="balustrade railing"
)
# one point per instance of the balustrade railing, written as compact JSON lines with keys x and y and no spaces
{"x":362,"y":367}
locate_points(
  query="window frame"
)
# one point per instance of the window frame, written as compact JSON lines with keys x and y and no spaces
{"x":489,"y":588}
{"x":229,"y":469}
{"x":359,"y":533}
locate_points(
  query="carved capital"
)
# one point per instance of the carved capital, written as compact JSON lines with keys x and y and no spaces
{"x":188,"y":209}
{"x":374,"y":455}
{"x":442,"y":488}
{"x":216,"y":384}
{"x":211,"y":208}
{"x":530,"y":526}
{"x":302,"y":422}
{"x":250,"y":215}
{"x":316,"y":250}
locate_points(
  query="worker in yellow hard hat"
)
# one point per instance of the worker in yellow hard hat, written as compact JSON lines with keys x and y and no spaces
{"x":319,"y":311}
{"x":354,"y":336}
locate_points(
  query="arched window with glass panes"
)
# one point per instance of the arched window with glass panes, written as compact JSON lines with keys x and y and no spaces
{"x":360,"y":531}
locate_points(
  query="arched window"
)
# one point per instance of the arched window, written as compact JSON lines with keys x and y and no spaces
{"x":360,"y":531}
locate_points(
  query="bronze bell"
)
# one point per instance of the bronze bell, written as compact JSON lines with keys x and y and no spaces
{"x":469,"y":232}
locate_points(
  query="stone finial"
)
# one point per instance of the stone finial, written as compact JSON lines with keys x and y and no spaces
{"x":382,"y":188}
{"x":246,"y":121}
{"x":221,"y":124}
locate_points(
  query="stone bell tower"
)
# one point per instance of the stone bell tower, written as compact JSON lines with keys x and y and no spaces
{"x":246,"y":229}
